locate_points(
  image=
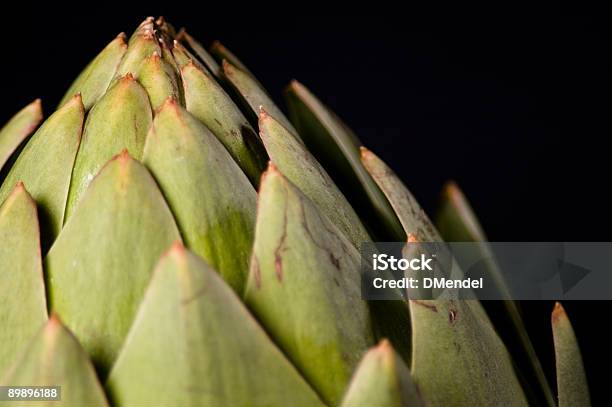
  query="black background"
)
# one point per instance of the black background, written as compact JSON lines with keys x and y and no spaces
{"x":514,"y":106}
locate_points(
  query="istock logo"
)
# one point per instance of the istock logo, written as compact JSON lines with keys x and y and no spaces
{"x":385,"y":262}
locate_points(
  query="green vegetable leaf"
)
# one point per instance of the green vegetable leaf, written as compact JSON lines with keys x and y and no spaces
{"x":93,"y":81}
{"x":55,"y":358}
{"x":457,"y":357}
{"x":195,"y":330}
{"x":571,"y":378}
{"x":457,"y":222}
{"x":141,"y":46}
{"x":221,"y":52}
{"x":23,"y":306}
{"x":201,"y":52}
{"x":18,"y":129}
{"x":45,"y":165}
{"x":105,"y":255}
{"x":183,"y":56}
{"x":159,"y":79}
{"x":413,"y":218}
{"x":302,"y":169}
{"x":211,"y":198}
{"x":383,"y":380}
{"x":119,"y":120}
{"x":254,"y":95}
{"x":337,"y":148}
{"x":207,"y":101}
{"x":304,"y":286}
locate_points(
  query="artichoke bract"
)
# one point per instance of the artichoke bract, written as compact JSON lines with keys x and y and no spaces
{"x":169,"y":237}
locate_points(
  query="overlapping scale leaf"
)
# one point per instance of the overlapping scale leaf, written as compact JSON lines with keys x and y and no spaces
{"x":46,"y":162}
{"x":572,"y":386}
{"x":120,"y":120}
{"x":410,"y":214}
{"x":221,"y":52}
{"x":201,"y":53}
{"x":55,"y":358}
{"x":18,"y":128}
{"x":457,"y":357}
{"x":253,"y":94}
{"x":301,"y":168}
{"x":23,"y":307}
{"x":93,"y":81}
{"x":457,"y":222}
{"x":207,"y":101}
{"x":142,"y":45}
{"x":382,"y":379}
{"x":212,"y":200}
{"x":182,"y":56}
{"x":194,"y":343}
{"x":101,"y":263}
{"x":159,"y":79}
{"x":337,"y":148}
{"x":304,"y":287}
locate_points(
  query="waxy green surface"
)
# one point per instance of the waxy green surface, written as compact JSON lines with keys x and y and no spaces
{"x":212,"y":200}
{"x":55,"y":358}
{"x":45,"y":165}
{"x":304,"y":287}
{"x":23,"y":307}
{"x":121,"y":227}
{"x":212,"y":352}
{"x":17,"y":129}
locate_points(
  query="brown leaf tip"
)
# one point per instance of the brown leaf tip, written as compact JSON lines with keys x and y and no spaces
{"x":124,"y":156}
{"x":263,"y":115}
{"x":54,"y":323}
{"x":384,"y":345}
{"x":121,"y":37}
{"x":177,"y":248}
{"x":228,"y":68}
{"x":170,"y":102}
{"x":295,"y":85}
{"x":451,"y":189}
{"x":365,"y":153}
{"x":272,"y":170}
{"x":128,"y":77}
{"x":558,"y":313}
{"x":37,"y":104}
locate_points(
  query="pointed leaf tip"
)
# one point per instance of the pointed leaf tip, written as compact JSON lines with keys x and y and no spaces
{"x":325,"y":332}
{"x":23,"y":307}
{"x":302,"y":168}
{"x":55,"y":358}
{"x":572,"y":385}
{"x":185,"y":327}
{"x":46,"y":162}
{"x":18,"y":128}
{"x":382,"y":379}
{"x":558,"y":313}
{"x":187,"y":160}
{"x":122,"y":201}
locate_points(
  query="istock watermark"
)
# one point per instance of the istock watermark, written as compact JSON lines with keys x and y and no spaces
{"x":487,"y":270}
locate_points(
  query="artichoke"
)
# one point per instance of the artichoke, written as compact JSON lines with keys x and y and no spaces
{"x":169,"y":237}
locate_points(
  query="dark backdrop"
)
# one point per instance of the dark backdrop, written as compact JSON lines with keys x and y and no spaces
{"x":513,"y":106}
